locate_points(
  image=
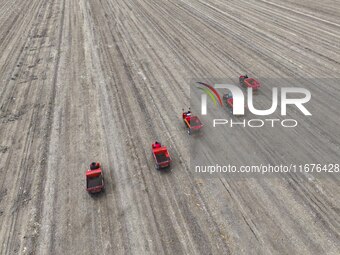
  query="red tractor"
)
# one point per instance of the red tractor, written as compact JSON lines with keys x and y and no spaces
{"x":161,"y":155}
{"x":94,"y":178}
{"x":229,"y":101}
{"x":247,"y":82}
{"x":192,"y":123}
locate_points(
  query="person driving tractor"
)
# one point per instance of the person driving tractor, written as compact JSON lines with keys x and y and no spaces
{"x":187,"y":114}
{"x":157,"y":144}
{"x":94,"y":165}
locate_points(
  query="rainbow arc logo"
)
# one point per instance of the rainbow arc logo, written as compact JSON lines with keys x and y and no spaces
{"x":211,"y":92}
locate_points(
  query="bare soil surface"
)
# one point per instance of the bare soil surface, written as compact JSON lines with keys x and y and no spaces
{"x":100,"y":80}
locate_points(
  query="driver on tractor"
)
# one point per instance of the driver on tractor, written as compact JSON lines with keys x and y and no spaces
{"x":94,"y":166}
{"x":187,"y":115}
{"x":156,"y":145}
